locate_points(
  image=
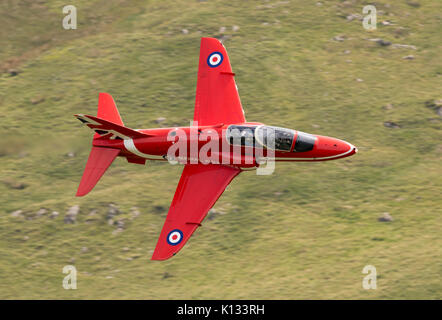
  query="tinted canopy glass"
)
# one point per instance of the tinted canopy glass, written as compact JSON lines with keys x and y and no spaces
{"x":304,"y":142}
{"x":241,"y":135}
{"x":275,"y":138}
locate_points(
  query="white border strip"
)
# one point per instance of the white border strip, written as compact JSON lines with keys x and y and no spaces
{"x":322,"y":158}
{"x":130,"y":146}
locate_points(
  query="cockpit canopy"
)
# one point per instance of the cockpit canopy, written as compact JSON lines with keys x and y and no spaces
{"x":274,"y":138}
{"x":304,"y":142}
{"x":241,"y":135}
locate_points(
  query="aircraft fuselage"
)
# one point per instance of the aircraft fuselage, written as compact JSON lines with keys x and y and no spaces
{"x":242,"y":145}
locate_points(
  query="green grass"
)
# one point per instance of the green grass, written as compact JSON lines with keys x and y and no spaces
{"x":306,"y":231}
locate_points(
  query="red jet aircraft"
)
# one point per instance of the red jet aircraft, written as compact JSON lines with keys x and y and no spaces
{"x":218,"y":115}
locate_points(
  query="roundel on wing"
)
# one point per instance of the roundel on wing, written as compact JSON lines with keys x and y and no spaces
{"x":174,"y":237}
{"x":215,"y":59}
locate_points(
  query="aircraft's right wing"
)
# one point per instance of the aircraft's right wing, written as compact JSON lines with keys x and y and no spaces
{"x":199,"y":188}
{"x":217,"y":99}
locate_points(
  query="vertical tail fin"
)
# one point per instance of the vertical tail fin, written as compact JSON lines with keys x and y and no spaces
{"x":107,"y":109}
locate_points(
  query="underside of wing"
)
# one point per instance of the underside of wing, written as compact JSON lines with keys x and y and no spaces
{"x":217,"y":99}
{"x":199,"y":188}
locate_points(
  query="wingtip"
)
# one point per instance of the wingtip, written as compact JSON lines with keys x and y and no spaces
{"x":104,"y":94}
{"x":81,"y":193}
{"x":158,"y":257}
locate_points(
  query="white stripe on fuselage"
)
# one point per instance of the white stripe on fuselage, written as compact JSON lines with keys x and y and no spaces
{"x":130,"y":146}
{"x":317,"y":158}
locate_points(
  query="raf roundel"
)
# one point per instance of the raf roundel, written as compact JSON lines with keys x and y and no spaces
{"x":174,"y":237}
{"x":215,"y":59}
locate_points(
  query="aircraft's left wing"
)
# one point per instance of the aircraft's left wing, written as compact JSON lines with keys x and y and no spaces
{"x":217,"y":99}
{"x":199,"y":188}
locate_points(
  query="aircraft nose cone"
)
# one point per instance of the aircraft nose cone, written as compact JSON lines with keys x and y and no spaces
{"x":331,"y":147}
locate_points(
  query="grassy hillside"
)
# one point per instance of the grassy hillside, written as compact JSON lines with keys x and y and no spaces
{"x":306,"y":231}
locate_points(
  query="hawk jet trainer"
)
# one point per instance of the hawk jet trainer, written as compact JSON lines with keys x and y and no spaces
{"x":218,"y":146}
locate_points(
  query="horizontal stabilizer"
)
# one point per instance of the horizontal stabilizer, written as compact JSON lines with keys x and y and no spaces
{"x":109,"y":129}
{"x":99,"y":160}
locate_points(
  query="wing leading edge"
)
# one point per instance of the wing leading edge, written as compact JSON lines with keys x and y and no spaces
{"x":198,"y":189}
{"x":217,"y":99}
